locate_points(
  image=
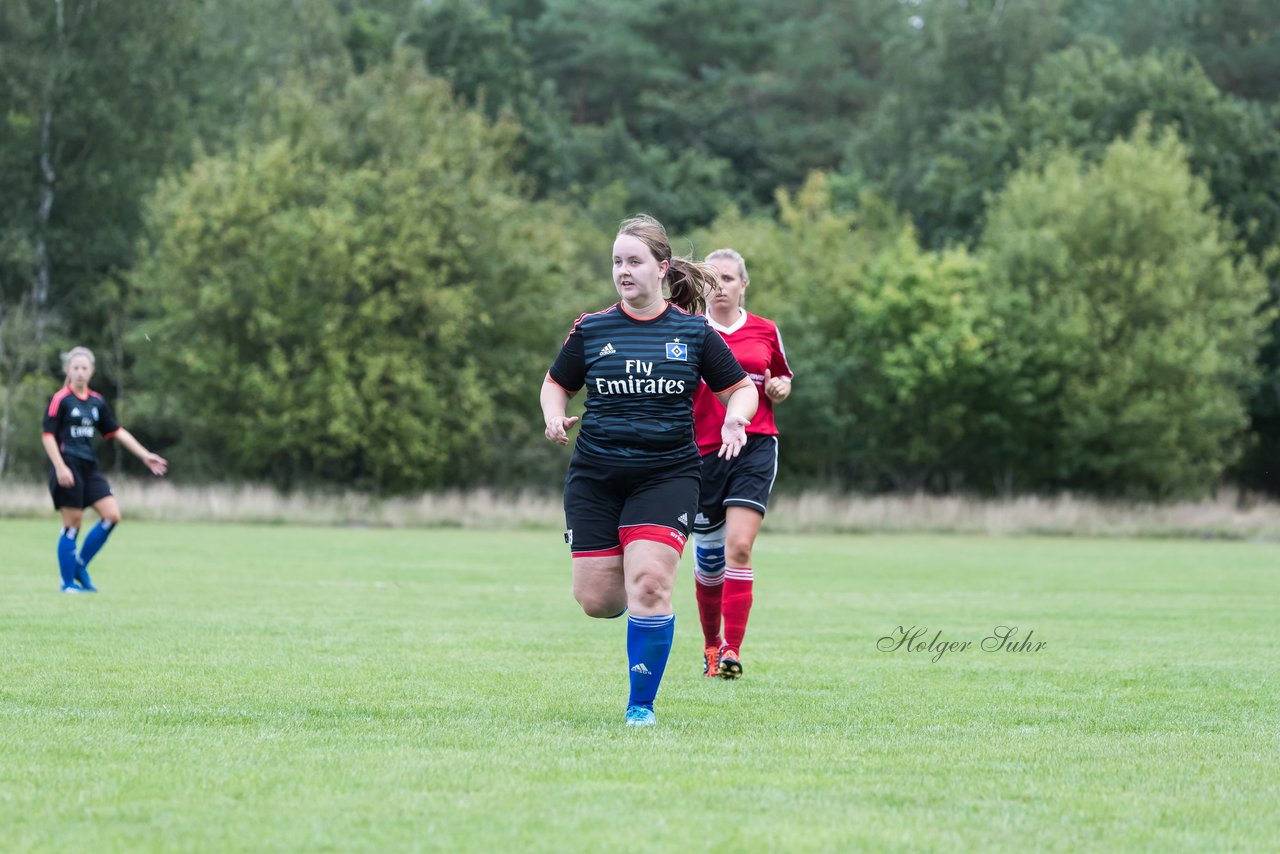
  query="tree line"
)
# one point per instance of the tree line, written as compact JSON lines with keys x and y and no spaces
{"x":1011,"y":245}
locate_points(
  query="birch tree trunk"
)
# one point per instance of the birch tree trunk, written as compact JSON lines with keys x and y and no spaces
{"x":48,"y":179}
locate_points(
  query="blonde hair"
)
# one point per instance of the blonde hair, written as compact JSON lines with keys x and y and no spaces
{"x":688,"y":280}
{"x":736,"y":257}
{"x":732,"y":255}
{"x":77,"y":351}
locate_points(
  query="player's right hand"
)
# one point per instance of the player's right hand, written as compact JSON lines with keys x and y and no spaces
{"x":558,"y":428}
{"x":65,"y":477}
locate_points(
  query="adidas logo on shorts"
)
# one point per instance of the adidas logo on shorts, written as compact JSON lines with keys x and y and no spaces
{"x":683,"y":518}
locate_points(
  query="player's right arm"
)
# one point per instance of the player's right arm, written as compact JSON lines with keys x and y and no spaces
{"x":562,"y":382}
{"x":65,"y":477}
{"x":555,"y":400}
{"x":52,"y":423}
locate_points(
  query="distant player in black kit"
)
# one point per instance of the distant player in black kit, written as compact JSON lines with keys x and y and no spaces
{"x":632,"y":487}
{"x":74,"y":416}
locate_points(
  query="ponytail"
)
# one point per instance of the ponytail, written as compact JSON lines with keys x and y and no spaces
{"x":690,"y":282}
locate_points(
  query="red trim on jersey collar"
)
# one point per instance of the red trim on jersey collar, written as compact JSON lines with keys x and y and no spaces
{"x":623,"y":306}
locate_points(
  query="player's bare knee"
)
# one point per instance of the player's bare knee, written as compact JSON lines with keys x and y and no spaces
{"x":650,"y":591}
{"x":596,"y":602}
{"x":111,"y":517}
{"x":737,"y":551}
{"x":599,"y":607}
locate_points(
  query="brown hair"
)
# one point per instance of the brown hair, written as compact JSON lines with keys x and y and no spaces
{"x":687,"y":280}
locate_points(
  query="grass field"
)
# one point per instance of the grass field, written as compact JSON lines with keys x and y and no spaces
{"x":285,"y":688}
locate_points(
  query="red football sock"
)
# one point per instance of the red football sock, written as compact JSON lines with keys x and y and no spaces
{"x":708,"y":596}
{"x":737,"y":604}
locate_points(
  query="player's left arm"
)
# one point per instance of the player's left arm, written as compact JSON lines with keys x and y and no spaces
{"x":157,"y":464}
{"x":737,"y":392}
{"x":777,"y":377}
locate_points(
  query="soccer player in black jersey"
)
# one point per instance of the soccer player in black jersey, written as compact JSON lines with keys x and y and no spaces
{"x":632,"y":487}
{"x":75,"y":415}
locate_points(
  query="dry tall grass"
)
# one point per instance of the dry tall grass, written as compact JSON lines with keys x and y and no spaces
{"x":1227,"y":516}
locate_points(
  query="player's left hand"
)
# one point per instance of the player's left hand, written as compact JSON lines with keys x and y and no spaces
{"x":776,"y":389}
{"x":156,"y":463}
{"x":733,"y":435}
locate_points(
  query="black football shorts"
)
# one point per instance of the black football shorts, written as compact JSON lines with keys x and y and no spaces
{"x":90,"y":486}
{"x":744,"y":481}
{"x":605,"y":508}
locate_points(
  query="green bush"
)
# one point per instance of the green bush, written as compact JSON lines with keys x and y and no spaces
{"x":1125,"y":327}
{"x":883,"y":338}
{"x":360,"y":295}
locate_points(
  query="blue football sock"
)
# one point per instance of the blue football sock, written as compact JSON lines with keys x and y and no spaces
{"x":648,"y":645}
{"x":67,"y":562}
{"x":94,"y":540}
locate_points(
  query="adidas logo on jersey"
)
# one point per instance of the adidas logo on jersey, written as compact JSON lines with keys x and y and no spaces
{"x":641,"y":669}
{"x":607,"y":349}
{"x":75,"y":412}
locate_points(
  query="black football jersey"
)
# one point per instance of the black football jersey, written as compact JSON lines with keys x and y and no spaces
{"x":640,"y":377}
{"x":74,"y":421}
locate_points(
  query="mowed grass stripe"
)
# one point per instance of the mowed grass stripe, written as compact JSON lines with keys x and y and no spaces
{"x":276,"y":688}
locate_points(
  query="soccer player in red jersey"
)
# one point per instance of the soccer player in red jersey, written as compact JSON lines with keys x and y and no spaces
{"x":74,"y":416}
{"x":735,"y":491}
{"x":632,"y":487}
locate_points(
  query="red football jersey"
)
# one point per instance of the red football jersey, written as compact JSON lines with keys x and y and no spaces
{"x":757,"y":345}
